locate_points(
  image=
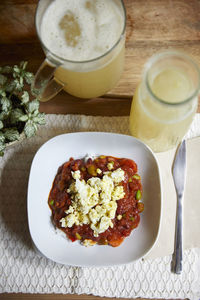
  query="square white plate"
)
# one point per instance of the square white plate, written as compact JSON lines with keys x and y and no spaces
{"x":43,"y":170}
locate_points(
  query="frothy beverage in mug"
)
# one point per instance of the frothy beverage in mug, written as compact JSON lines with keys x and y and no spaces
{"x":89,"y":36}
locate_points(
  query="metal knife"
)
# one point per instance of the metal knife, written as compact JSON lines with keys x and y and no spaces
{"x":179,"y":175}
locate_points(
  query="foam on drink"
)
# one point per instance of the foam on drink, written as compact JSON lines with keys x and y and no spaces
{"x":81,"y":30}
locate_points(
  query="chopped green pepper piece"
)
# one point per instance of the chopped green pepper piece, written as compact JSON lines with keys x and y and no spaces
{"x":51,"y":202}
{"x":102,"y":156}
{"x":136,"y":176}
{"x":132,"y":218}
{"x":138,"y":195}
{"x":130,"y":180}
{"x":92,"y":170}
{"x":78,"y":236}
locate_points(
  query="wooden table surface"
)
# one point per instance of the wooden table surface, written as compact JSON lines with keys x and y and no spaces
{"x":152,"y":26}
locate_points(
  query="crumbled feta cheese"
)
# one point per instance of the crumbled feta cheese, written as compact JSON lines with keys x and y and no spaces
{"x":117,"y":175}
{"x":88,"y":243}
{"x":76,"y":174}
{"x":63,"y":222}
{"x":119,"y":217}
{"x":70,"y":210}
{"x":98,"y":171}
{"x":107,"y":187}
{"x":110,"y":165}
{"x":95,"y":182}
{"x":94,"y":216}
{"x":94,"y":201}
{"x":111,"y":208}
{"x":118,"y":193}
{"x":69,"y":220}
{"x":102,"y":226}
{"x":84,"y":219}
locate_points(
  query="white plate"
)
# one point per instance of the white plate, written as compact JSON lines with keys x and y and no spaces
{"x":43,"y":170}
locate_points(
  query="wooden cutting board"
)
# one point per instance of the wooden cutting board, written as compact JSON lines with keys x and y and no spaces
{"x":152,"y":26}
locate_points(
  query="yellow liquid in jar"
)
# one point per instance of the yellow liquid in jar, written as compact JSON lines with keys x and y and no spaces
{"x":159,"y":125}
{"x":95,"y":82}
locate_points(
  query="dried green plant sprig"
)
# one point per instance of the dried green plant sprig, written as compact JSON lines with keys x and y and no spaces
{"x":17,"y":112}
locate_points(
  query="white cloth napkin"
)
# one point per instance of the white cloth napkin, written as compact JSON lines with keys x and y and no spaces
{"x":191,"y":203}
{"x":22,"y":269}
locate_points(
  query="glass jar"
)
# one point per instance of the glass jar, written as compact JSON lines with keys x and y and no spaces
{"x":165,"y":101}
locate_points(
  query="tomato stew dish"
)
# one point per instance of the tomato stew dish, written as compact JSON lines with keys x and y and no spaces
{"x":97,"y":201}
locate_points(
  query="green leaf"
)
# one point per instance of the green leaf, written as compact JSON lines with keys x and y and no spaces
{"x":16,"y":69}
{"x":35,"y":92}
{"x":35,"y":113}
{"x":25,"y":97}
{"x":18,"y":85}
{"x":3,"y":115}
{"x":15,"y":115}
{"x":29,"y":77}
{"x":6,"y":69}
{"x":23,"y":118}
{"x":2,"y":137}
{"x":30,"y":129}
{"x":11,"y":134}
{"x":10,"y":87}
{"x":33,"y":106}
{"x":3,"y":79}
{"x":23,"y":65}
{"x":21,"y":80}
{"x":2,"y":93}
{"x":14,"y":108}
{"x":39,"y":119}
{"x":6,"y":104}
{"x":2,"y":147}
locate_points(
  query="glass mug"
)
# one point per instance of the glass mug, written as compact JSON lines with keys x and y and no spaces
{"x":165,"y":101}
{"x":85,"y":65}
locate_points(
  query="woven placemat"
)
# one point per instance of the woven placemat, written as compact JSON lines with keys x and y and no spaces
{"x":22,"y":269}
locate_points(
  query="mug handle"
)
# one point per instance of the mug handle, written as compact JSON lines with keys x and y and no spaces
{"x":44,"y":85}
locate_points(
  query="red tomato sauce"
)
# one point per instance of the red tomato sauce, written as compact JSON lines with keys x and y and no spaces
{"x":129,"y":207}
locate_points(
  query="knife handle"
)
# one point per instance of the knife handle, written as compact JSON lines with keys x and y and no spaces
{"x":178,"y":252}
